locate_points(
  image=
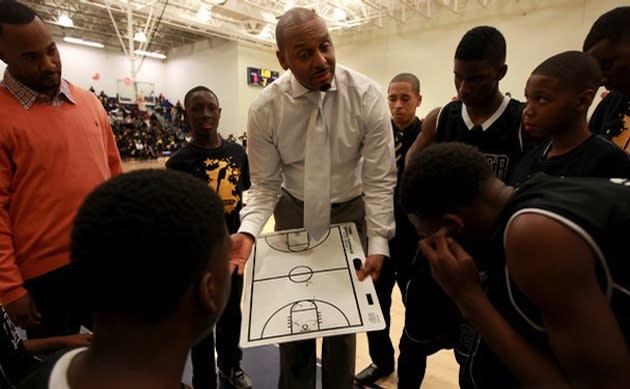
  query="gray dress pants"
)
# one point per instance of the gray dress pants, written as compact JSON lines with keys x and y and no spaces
{"x":297,"y":359}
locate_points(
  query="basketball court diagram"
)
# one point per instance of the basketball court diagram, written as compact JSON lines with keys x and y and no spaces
{"x":297,"y":290}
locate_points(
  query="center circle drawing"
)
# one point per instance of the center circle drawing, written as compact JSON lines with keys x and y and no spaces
{"x":301,"y":274}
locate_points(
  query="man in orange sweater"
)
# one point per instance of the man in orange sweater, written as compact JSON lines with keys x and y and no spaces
{"x":56,"y":145}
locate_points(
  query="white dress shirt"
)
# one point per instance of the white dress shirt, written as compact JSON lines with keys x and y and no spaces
{"x":362,"y":150}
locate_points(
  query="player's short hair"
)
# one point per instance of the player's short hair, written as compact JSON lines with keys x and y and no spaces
{"x":199,"y":88}
{"x":141,"y":239}
{"x":15,"y":13}
{"x":408,"y":77}
{"x":613,"y":25}
{"x":573,"y":69}
{"x":443,"y":178}
{"x":482,"y":43}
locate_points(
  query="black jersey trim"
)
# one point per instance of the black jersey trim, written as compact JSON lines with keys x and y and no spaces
{"x":575,"y":228}
{"x":437,"y":121}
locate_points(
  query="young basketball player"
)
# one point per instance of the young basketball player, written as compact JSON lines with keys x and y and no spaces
{"x":481,"y":116}
{"x":553,"y":309}
{"x":223,"y":167}
{"x":484,"y":117}
{"x":559,"y":92}
{"x":151,"y":250}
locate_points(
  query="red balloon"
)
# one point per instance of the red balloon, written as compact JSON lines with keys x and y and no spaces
{"x":127,"y":81}
{"x":96,"y":76}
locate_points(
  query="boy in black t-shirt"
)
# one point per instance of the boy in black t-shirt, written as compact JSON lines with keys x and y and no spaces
{"x":559,"y":93}
{"x":223,"y":166}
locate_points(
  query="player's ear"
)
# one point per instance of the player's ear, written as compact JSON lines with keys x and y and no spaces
{"x":207,"y":300}
{"x":585,"y":99}
{"x":453,"y":223}
{"x":501,"y":72}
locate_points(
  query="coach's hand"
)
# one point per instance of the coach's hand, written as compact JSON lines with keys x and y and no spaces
{"x":23,"y":312}
{"x":372,"y":267}
{"x":452,"y":267}
{"x":241,"y":249}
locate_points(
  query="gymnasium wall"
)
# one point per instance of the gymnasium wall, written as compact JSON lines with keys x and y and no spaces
{"x":101,"y":68}
{"x":222,"y":66}
{"x":534,"y":30}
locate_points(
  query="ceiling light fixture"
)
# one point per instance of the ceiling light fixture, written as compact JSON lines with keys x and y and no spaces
{"x":150,"y":54}
{"x":65,"y":21}
{"x":203,"y":15}
{"x":78,"y":41}
{"x":339,"y":14}
{"x":140,"y":36}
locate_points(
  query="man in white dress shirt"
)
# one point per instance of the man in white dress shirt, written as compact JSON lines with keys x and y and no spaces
{"x":315,"y":96}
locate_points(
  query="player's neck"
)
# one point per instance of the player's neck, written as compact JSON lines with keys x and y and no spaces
{"x":565,"y":141}
{"x":403,"y":126}
{"x":498,"y":195}
{"x":131,"y":358}
{"x":479,"y":114}
{"x":211,"y":140}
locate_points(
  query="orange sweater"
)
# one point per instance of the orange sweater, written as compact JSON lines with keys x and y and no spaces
{"x":51,"y":157}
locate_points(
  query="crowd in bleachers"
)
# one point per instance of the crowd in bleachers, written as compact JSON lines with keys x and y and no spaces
{"x":152,"y":132}
{"x":157,"y":130}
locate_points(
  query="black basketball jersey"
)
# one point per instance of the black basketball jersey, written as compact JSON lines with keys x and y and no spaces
{"x":604,"y":227}
{"x":499,"y":137}
{"x":596,"y":157}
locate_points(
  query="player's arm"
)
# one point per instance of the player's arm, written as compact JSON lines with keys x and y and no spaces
{"x":558,"y":275}
{"x":456,"y":272}
{"x":45,"y":345}
{"x":426,"y":136}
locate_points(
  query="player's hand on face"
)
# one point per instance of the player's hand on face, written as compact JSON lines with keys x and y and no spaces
{"x":372,"y":267}
{"x":452,"y":267}
{"x":241,"y":249}
{"x":23,"y":312}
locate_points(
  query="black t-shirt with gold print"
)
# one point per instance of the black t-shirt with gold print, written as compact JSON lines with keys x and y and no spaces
{"x":225,"y":169}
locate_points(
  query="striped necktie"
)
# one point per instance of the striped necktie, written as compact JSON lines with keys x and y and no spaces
{"x":398,"y":147}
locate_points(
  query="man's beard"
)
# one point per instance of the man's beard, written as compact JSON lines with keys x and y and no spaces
{"x":325,"y":87}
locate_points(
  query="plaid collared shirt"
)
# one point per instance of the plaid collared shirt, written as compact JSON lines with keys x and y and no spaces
{"x":27,"y":96}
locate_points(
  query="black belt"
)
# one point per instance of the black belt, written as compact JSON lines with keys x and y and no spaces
{"x":332,"y":205}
